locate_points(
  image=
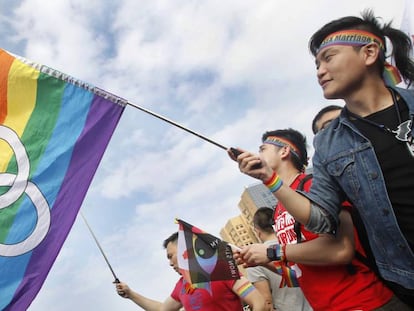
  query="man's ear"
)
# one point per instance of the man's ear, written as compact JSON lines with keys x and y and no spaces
{"x":284,"y":152}
{"x":371,"y":53}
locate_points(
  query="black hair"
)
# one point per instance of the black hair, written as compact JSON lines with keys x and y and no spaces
{"x":297,"y":139}
{"x":321,"y":113}
{"x":263,"y":219}
{"x":173,"y":238}
{"x":401,"y":42}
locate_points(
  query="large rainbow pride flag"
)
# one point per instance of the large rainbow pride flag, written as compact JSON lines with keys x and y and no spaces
{"x":54,"y":130}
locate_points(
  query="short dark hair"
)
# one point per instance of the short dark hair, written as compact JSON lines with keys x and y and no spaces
{"x":321,"y":113}
{"x":297,"y":139}
{"x":401,"y":42}
{"x":173,"y":238}
{"x":263,"y":219}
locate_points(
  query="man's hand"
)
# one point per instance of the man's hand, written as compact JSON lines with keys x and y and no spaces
{"x":251,"y":164}
{"x":123,"y":290}
{"x":254,"y":255}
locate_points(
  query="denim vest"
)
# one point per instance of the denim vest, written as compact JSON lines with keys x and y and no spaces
{"x":345,"y":166}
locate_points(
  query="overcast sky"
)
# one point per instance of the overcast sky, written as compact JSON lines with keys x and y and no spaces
{"x":228,"y":69}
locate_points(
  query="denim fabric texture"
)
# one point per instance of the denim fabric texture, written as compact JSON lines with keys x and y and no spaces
{"x":345,"y":166}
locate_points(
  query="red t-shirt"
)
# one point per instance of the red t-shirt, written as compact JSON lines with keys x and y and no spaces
{"x":332,"y":288}
{"x":219,"y":296}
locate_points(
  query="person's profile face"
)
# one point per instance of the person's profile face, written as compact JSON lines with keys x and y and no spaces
{"x":270,"y":154}
{"x":338,"y":69}
{"x":326,"y":119}
{"x":172,"y":255}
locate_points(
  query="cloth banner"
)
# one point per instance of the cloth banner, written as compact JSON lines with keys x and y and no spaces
{"x":54,"y":130}
{"x":203,"y":257}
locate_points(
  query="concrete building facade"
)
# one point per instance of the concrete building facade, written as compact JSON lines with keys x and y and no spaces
{"x":239,"y":230}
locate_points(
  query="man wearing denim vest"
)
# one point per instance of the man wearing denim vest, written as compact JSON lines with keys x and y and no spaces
{"x":365,"y":156}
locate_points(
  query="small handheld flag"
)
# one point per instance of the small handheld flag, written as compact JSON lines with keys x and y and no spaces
{"x":203,"y":257}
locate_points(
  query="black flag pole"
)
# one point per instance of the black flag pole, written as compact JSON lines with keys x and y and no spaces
{"x":100,"y":248}
{"x":178,"y":125}
{"x":233,"y":150}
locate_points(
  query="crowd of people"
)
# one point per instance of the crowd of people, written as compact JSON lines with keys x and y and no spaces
{"x":343,"y":238}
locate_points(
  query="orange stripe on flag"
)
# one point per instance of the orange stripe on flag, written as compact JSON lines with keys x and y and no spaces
{"x":5,"y":63}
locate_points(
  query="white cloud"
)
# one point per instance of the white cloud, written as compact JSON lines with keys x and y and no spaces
{"x":229,"y":70}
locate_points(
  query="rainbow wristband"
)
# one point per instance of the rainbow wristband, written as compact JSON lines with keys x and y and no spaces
{"x":245,"y":289}
{"x":274,"y":183}
{"x":279,"y":251}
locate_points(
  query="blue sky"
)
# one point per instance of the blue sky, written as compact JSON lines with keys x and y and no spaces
{"x":229,"y":70}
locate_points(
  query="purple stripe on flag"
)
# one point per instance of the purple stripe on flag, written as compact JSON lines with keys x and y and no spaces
{"x":102,"y":119}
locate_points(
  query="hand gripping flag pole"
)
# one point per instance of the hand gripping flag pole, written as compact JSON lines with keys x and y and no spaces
{"x":235,"y":151}
{"x":100,"y":248}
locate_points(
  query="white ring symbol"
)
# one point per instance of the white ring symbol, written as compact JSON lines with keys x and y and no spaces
{"x":19,"y":184}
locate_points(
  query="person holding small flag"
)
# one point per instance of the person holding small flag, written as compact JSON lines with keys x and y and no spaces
{"x":266,"y":280}
{"x":218,"y":295}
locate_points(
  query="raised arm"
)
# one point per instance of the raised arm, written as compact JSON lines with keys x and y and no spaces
{"x":146,"y":303}
{"x":299,"y":206}
{"x":250,"y":295}
{"x":256,"y":167}
{"x":326,"y":249}
{"x":262,"y":285}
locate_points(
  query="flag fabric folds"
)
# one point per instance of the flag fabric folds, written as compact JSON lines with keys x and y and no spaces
{"x":203,"y":257}
{"x":54,"y":130}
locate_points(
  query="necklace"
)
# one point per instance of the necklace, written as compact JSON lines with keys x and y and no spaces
{"x":403,"y":130}
{"x":382,"y":127}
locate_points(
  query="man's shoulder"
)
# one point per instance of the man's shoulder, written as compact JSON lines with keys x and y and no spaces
{"x":404,"y":90}
{"x":330,"y":135}
{"x":407,"y":95}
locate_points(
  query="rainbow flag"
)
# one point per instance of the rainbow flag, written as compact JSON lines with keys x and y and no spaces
{"x":203,"y":258}
{"x":54,"y":130}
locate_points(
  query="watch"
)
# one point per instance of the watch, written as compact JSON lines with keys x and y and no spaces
{"x":275,"y":252}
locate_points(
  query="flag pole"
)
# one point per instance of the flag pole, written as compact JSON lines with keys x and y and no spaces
{"x":100,"y":248}
{"x":178,"y":125}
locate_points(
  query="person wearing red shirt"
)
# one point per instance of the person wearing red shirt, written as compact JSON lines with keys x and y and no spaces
{"x":323,"y":265}
{"x":221,"y":295}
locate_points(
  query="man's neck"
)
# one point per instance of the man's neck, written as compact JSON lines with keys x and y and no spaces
{"x":268,"y":237}
{"x":288,"y":173}
{"x":369,"y":99}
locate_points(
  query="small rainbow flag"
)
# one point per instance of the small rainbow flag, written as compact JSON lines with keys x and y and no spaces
{"x":54,"y":130}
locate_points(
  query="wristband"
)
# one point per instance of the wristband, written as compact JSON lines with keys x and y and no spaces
{"x":274,"y":183}
{"x":245,"y":289}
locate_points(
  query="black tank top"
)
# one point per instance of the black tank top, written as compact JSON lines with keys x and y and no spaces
{"x":396,"y":161}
